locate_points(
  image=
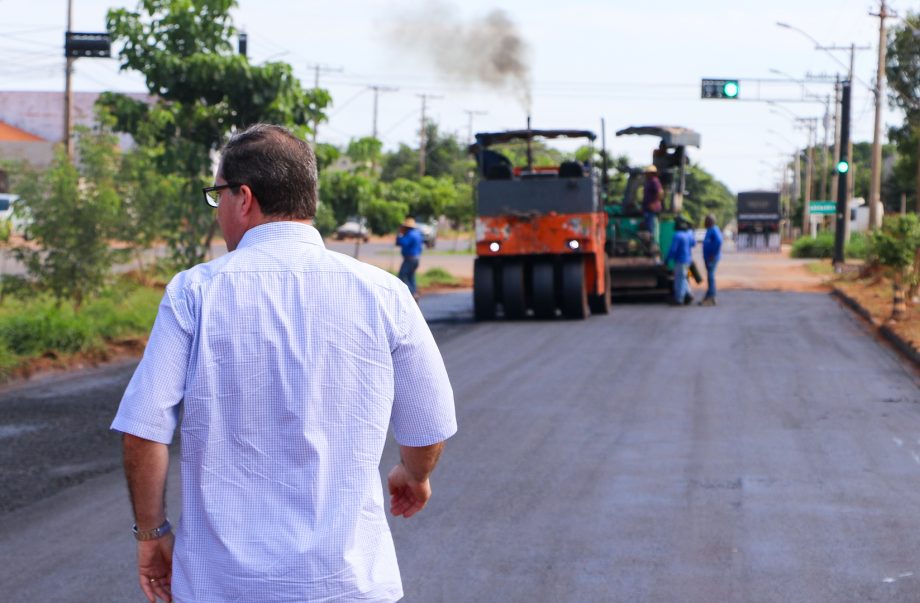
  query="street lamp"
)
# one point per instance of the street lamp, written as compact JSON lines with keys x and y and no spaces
{"x":775,"y":105}
{"x":786,"y":75}
{"x":772,"y":131}
{"x":817,"y":44}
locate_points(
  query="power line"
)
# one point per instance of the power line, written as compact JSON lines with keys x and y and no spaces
{"x":338,"y":108}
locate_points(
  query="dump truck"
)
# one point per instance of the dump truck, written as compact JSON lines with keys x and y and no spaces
{"x":540,"y":232}
{"x":636,"y":255}
{"x":759,"y":220}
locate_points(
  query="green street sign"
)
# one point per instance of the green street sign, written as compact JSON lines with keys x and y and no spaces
{"x":822,"y":207}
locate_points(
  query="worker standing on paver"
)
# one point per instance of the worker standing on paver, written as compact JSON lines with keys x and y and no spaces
{"x":411,"y":242}
{"x":652,"y":199}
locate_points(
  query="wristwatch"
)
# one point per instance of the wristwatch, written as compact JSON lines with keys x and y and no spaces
{"x":164,"y":529}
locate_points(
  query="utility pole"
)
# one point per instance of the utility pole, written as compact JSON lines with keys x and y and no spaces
{"x":423,"y":142}
{"x":812,"y":124}
{"x":68,"y":90}
{"x":852,"y":48}
{"x":317,"y":69}
{"x":851,"y":182}
{"x":377,"y":90}
{"x":843,"y":209}
{"x":836,"y":135}
{"x":824,"y":166}
{"x":796,"y":187}
{"x":98,"y":45}
{"x":875,"y":182}
{"x":469,"y":124}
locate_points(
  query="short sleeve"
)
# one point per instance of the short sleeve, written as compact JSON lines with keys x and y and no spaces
{"x":423,"y":405}
{"x":149,"y":408}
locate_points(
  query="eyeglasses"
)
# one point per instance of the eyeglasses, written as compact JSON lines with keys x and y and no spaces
{"x":212,"y":193}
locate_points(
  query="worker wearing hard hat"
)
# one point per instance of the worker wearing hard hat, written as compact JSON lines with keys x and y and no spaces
{"x":652,"y":199}
{"x":411,"y":241}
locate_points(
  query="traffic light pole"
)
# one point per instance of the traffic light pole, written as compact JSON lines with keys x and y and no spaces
{"x":843,"y":168}
{"x":68,"y":91}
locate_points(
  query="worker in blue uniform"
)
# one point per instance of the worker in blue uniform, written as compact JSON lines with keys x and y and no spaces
{"x":680,"y":254}
{"x":411,"y":241}
{"x":712,"y":253}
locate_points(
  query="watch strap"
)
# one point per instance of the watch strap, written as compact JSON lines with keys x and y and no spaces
{"x":158,"y":532}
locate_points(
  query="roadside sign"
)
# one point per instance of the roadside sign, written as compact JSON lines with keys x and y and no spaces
{"x":822,"y":207}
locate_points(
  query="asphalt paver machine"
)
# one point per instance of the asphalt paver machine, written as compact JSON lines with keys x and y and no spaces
{"x":540,"y":232}
{"x":635,"y":254}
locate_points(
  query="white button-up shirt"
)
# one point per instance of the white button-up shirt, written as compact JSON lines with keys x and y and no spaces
{"x":291,"y":361}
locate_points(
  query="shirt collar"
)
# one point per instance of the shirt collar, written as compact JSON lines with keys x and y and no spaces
{"x":284,"y":230}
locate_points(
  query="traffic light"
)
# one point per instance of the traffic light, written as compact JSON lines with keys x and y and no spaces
{"x":843,"y":166}
{"x":720,"y":89}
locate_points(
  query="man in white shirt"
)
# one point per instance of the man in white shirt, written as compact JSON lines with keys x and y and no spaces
{"x":291,"y":362}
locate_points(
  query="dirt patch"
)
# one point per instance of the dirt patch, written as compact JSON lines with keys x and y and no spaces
{"x":875,"y":295}
{"x":768,"y":272}
{"x":51,"y":362}
{"x":462,"y":283}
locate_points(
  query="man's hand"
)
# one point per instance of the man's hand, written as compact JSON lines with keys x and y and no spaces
{"x":154,"y":567}
{"x":408,"y":496}
{"x":408,"y":481}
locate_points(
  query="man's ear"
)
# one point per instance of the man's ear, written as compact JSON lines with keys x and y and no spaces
{"x":249,"y":200}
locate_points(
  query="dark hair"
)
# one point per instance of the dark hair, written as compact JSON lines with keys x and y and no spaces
{"x":279,"y":168}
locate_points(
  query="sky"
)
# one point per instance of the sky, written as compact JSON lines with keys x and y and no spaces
{"x":628,"y":63}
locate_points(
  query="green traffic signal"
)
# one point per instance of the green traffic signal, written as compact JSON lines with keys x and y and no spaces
{"x":730,"y":89}
{"x":719,"y":88}
{"x":843,"y":166}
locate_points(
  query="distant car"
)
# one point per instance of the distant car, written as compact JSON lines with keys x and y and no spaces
{"x":699,"y":234}
{"x":6,"y":205}
{"x":429,"y":234}
{"x":18,"y":217}
{"x":353,"y":228}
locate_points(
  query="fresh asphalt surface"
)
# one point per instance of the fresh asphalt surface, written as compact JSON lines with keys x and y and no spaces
{"x":764,"y":450}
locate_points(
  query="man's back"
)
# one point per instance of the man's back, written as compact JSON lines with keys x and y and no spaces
{"x":680,"y":247}
{"x":651,"y":194}
{"x":411,"y":242}
{"x":712,"y":243}
{"x":299,"y":358}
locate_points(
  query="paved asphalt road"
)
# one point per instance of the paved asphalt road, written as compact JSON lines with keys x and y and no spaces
{"x":764,"y":450}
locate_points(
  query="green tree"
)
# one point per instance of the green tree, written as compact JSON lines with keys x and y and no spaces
{"x":707,"y":195}
{"x":345,"y":194}
{"x":76,"y":212}
{"x":461,"y":211}
{"x":445,"y":156}
{"x":145,"y":195}
{"x":383,"y":217}
{"x":324,"y":221}
{"x":903,"y":73}
{"x":401,"y":163}
{"x":201,"y":90}
{"x":436,"y":194}
{"x":326,"y":154}
{"x":403,"y":190}
{"x":426,"y":198}
{"x":896,"y":247}
{"x":365,"y":152}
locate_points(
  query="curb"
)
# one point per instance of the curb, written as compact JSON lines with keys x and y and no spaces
{"x":904,"y":347}
{"x":901,"y":345}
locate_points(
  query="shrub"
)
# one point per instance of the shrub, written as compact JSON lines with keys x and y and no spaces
{"x":33,"y":326}
{"x":436,"y":277}
{"x":822,"y":246}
